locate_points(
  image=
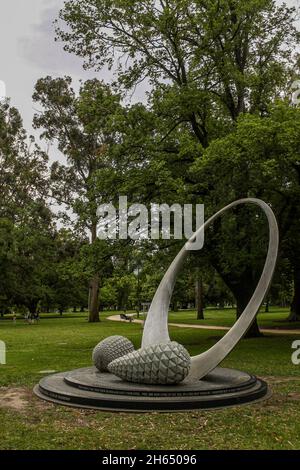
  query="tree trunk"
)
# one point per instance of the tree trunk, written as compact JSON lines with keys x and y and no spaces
{"x":295,"y":305}
{"x":267,"y":306}
{"x":32,"y":308}
{"x":94,"y":288}
{"x":138,"y":293}
{"x":243,"y":296}
{"x":94,"y":300}
{"x":242,"y":289}
{"x":199,"y":297}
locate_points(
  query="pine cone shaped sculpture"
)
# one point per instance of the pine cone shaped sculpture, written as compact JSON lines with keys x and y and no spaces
{"x":161,"y":364}
{"x":109,"y":349}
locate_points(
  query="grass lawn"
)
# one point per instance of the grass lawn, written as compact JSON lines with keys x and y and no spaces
{"x":66,"y":343}
{"x":276,"y":318}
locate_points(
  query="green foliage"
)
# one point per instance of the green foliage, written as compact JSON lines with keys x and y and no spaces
{"x":209,"y":133}
{"x":85,"y":127}
{"x":221,"y":58}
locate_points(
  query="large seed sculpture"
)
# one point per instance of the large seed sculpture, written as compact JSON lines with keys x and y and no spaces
{"x":162,"y":368}
{"x":160,"y":361}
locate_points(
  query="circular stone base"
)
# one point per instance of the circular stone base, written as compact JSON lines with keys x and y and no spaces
{"x":88,"y":388}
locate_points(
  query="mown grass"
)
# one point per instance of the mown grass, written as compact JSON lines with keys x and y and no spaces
{"x":275,"y":318}
{"x":65,"y":343}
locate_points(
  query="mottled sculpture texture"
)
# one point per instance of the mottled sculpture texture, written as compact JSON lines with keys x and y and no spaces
{"x":110,"y":349}
{"x":162,"y":364}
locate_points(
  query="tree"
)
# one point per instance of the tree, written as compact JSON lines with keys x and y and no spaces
{"x":199,"y":296}
{"x":26,"y":222}
{"x":260,"y":159}
{"x":67,"y":278}
{"x":84,"y":127}
{"x":208,"y":63}
{"x":33,"y":258}
{"x":8,"y":279}
{"x":23,"y":167}
{"x":212,"y":59}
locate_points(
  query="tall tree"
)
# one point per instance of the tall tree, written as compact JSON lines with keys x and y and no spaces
{"x":260,"y":159}
{"x":214,"y":59}
{"x":85,"y":128}
{"x":207,"y":63}
{"x":23,"y":167}
{"x":67,"y":279}
{"x":25,"y":219}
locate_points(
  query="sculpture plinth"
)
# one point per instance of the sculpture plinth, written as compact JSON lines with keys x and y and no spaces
{"x":88,"y":388}
{"x":161,"y":376}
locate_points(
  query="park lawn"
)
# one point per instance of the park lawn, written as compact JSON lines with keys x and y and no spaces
{"x":276,"y":318}
{"x":65,"y":343}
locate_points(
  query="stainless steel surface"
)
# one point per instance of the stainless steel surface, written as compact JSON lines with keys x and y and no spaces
{"x":156,"y":325}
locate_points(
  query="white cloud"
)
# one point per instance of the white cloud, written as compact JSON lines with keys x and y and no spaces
{"x":39,"y":48}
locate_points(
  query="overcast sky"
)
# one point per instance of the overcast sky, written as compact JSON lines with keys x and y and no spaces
{"x":28,"y":51}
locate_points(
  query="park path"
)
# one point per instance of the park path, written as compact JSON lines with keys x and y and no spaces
{"x":212,"y":327}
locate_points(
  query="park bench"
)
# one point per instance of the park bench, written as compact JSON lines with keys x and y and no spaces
{"x":129,"y":318}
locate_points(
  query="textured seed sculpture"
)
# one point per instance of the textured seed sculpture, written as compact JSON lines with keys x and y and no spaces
{"x":159,"y":364}
{"x":109,"y":349}
{"x":151,"y":364}
{"x":163,"y":362}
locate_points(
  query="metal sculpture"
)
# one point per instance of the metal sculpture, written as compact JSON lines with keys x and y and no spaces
{"x":156,"y":325}
{"x":161,"y":375}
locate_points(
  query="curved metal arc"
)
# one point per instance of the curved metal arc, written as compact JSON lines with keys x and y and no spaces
{"x":156,"y":325}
